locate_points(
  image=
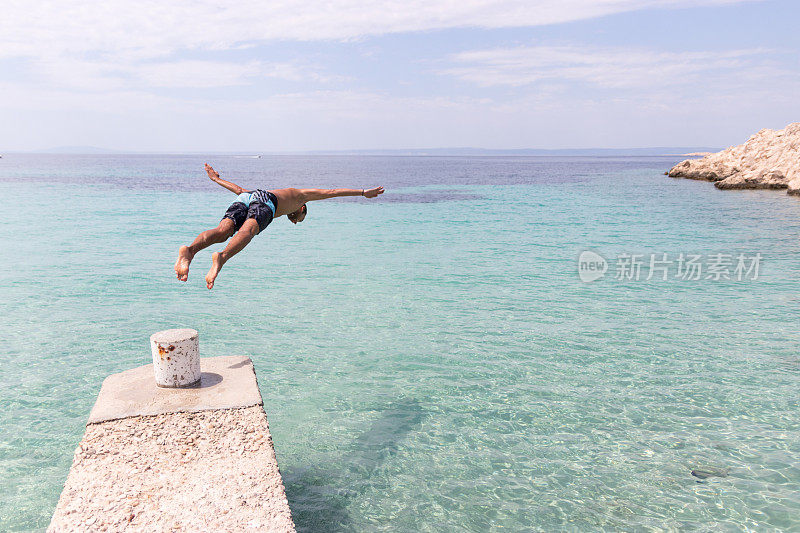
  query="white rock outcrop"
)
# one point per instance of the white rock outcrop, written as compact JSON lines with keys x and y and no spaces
{"x":770,"y":159}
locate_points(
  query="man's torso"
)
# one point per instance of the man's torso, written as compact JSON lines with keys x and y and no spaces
{"x":289,"y":201}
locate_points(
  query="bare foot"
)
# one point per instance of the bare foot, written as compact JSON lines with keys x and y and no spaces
{"x":182,"y":264}
{"x":216,"y":265}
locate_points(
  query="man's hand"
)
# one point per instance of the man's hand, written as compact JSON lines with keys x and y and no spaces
{"x":213,"y":174}
{"x":371,"y":193}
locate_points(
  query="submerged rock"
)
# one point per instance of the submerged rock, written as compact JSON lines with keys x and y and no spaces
{"x":770,"y":159}
{"x":706,"y":472}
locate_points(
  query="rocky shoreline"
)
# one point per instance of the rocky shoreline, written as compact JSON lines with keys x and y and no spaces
{"x":770,"y":159}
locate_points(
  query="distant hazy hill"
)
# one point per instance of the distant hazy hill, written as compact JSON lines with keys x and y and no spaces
{"x":564,"y":152}
{"x":526,"y":151}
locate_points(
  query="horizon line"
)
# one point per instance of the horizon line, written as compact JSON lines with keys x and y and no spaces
{"x":443,"y":151}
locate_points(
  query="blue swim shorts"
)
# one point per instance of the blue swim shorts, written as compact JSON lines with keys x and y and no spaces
{"x":252,"y":205}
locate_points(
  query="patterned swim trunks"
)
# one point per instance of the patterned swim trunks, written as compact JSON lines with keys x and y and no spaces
{"x":258,"y":204}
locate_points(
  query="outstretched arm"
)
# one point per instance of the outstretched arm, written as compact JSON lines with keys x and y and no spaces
{"x":309,"y":195}
{"x":214,"y":175}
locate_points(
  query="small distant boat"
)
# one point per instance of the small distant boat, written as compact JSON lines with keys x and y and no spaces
{"x":248,"y":156}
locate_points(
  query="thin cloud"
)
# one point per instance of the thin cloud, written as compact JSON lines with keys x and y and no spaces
{"x":347,"y":119}
{"x":611,"y":68}
{"x":107,"y":61}
{"x":153,"y":28}
{"x":83,"y":45}
{"x":98,"y":76}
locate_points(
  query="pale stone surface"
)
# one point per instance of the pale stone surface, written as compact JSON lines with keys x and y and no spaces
{"x":176,"y":357}
{"x":770,"y":159}
{"x":225,"y":382}
{"x":203,"y":460}
{"x":205,"y":471}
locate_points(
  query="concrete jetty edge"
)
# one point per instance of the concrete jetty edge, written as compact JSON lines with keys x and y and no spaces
{"x":190,"y":459}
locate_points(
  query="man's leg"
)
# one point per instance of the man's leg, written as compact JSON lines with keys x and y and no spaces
{"x":204,"y":240}
{"x":248,"y":230}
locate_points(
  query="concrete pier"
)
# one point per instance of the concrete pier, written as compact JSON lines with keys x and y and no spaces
{"x":182,"y":459}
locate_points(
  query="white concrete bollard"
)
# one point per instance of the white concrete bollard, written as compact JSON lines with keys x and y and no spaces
{"x":176,"y":357}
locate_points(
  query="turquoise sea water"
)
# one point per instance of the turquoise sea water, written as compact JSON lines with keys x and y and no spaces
{"x":429,"y":361}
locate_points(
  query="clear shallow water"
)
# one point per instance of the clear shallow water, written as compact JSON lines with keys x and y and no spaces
{"x":429,"y":361}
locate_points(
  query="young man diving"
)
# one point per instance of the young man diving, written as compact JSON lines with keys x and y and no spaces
{"x":249,"y":215}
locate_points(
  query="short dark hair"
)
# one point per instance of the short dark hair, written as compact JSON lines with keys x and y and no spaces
{"x":294,"y":214}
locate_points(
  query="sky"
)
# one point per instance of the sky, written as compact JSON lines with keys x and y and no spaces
{"x":287,"y":75}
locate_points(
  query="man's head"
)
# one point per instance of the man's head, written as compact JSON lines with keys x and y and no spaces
{"x":299,"y":215}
